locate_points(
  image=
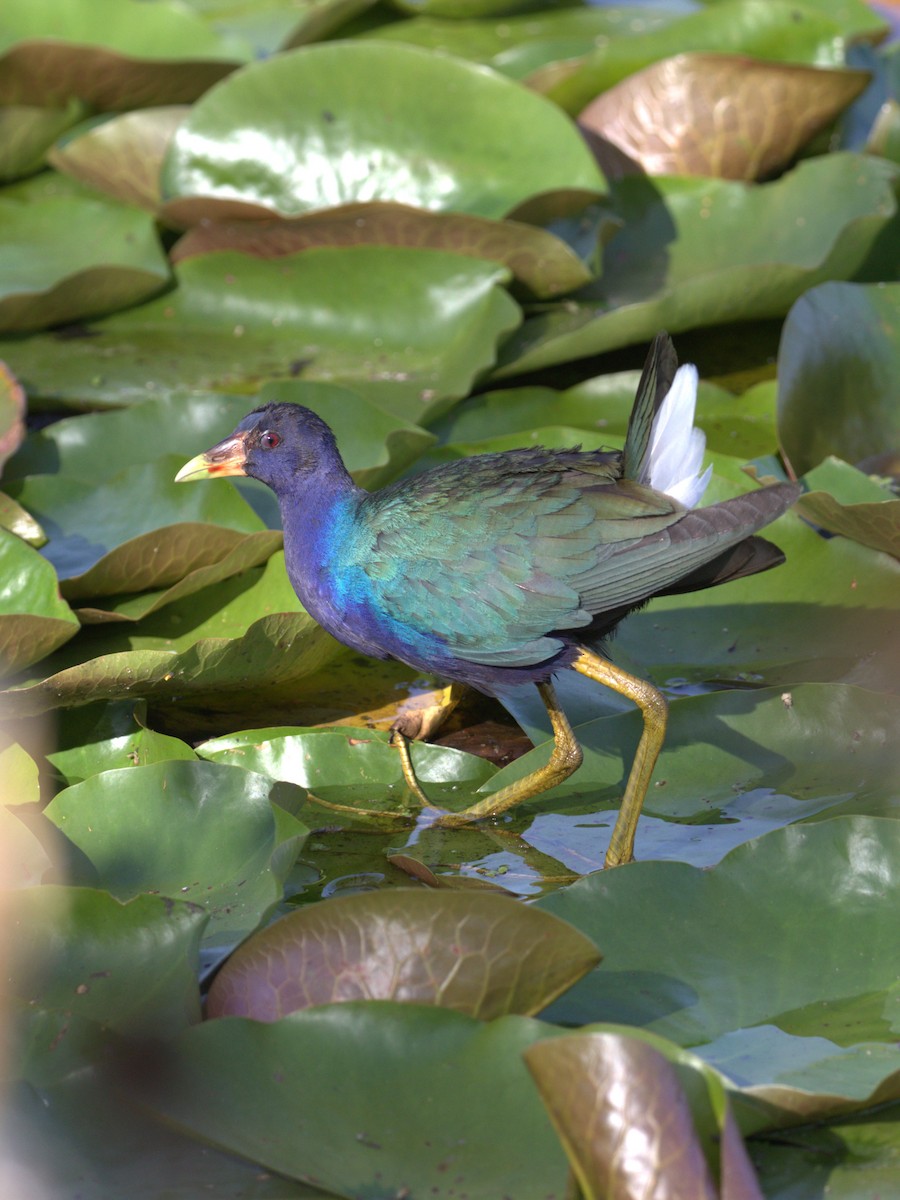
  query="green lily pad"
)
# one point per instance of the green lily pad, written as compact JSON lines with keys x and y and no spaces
{"x":27,"y":132}
{"x":34,"y":619}
{"x":475,"y":952}
{"x":137,"y":531}
{"x":538,"y":260}
{"x":139,"y":748}
{"x":840,"y":342}
{"x":121,"y":157}
{"x":375,"y":445}
{"x":463,"y":1112}
{"x":12,"y":415}
{"x":699,"y":252}
{"x":308,"y":113}
{"x":107,"y":54}
{"x":208,"y":834}
{"x":346,"y":766}
{"x":16,"y":520}
{"x":24,"y":860}
{"x":212,"y":650}
{"x":694,"y":955}
{"x":767,"y":29}
{"x":66,"y":259}
{"x":496,"y":40}
{"x":851,"y":1160}
{"x":79,"y":1138}
{"x":372,"y":314}
{"x":668,"y":119}
{"x":843,"y":500}
{"x":83,"y":966}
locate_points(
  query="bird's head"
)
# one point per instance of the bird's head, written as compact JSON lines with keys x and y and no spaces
{"x":276,"y":444}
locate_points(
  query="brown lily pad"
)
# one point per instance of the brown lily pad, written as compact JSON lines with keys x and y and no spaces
{"x":476,"y":952}
{"x":722,"y":115}
{"x":122,"y":157}
{"x":540,"y":261}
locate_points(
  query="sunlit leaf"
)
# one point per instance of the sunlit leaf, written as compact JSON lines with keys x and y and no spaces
{"x":139,"y":748}
{"x":309,"y":114}
{"x":843,"y":500}
{"x":208,"y":834}
{"x":121,"y":157}
{"x":767,"y":29}
{"x":34,"y":619}
{"x":718,"y":115}
{"x":695,"y":955}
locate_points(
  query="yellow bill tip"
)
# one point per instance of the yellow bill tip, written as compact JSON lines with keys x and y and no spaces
{"x":228,"y":458}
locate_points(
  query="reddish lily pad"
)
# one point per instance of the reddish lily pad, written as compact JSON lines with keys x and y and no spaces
{"x":477,"y":952}
{"x":715,"y":115}
{"x":541,"y":262}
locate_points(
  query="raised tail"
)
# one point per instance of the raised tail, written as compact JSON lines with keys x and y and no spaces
{"x":663,"y":450}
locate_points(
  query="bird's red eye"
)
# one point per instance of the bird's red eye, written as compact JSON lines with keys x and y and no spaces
{"x":269,"y":440}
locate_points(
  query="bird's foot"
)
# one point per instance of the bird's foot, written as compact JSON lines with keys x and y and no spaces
{"x":399,"y":739}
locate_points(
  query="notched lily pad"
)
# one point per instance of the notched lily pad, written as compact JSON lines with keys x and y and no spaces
{"x":845,"y":501}
{"x":121,"y":157}
{"x":538,"y":261}
{"x":715,"y":115}
{"x":208,"y":834}
{"x":482,"y":954}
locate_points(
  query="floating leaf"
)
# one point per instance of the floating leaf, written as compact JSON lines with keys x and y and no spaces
{"x":107,"y":54}
{"x":841,"y":341}
{"x":83,"y":965}
{"x":696,"y":954}
{"x":299,"y":132}
{"x":212,"y":649}
{"x":767,"y":29}
{"x":34,"y":619}
{"x":12,"y":414}
{"x":715,"y":115}
{"x":699,"y":252}
{"x":26,"y":132}
{"x":139,"y":748}
{"x":539,"y":261}
{"x":137,"y":531}
{"x":65,"y":259}
{"x":121,"y":157}
{"x":478,"y":953}
{"x":843,"y":500}
{"x":364,"y":313}
{"x":79,"y":1138}
{"x":462,"y":1113}
{"x":607,"y":1092}
{"x":208,"y":834}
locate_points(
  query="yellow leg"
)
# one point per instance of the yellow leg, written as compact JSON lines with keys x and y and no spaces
{"x":565,"y":759}
{"x":400,"y":742}
{"x":654,"y":710}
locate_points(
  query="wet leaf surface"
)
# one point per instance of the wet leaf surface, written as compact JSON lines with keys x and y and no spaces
{"x":502,"y":145}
